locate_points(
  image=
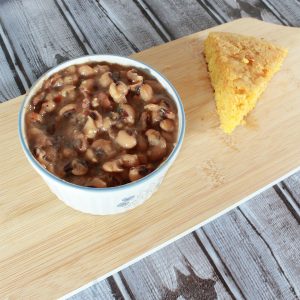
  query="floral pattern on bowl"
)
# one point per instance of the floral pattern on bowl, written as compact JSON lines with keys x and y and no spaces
{"x":125,"y":202}
{"x":133,"y":201}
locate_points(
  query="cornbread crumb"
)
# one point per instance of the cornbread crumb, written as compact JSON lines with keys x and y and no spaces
{"x":213,"y":173}
{"x":240,"y":68}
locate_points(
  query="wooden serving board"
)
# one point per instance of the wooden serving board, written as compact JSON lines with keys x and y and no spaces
{"x":47,"y":249}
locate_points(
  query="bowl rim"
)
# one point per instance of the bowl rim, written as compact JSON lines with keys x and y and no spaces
{"x":92,"y":189}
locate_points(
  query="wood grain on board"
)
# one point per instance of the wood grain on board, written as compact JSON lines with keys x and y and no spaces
{"x":217,"y":256}
{"x":54,"y":240}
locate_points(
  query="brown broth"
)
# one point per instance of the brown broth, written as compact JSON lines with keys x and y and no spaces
{"x":79,"y":105}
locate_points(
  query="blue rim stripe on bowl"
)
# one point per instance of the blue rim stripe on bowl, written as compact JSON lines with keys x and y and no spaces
{"x":108,"y":189}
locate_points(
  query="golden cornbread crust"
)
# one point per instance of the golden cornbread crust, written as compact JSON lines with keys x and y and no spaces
{"x":240,"y":68}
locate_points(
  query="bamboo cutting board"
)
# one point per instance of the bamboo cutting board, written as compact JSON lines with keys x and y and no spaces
{"x":47,"y":249}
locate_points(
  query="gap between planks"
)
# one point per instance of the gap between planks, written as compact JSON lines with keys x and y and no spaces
{"x":75,"y":31}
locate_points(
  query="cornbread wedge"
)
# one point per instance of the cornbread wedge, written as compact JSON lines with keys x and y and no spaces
{"x":240,"y":68}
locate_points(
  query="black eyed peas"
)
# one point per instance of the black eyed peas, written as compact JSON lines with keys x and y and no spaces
{"x":101,"y":124}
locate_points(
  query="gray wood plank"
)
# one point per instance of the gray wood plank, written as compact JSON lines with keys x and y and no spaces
{"x":228,"y":10}
{"x":21,"y":78}
{"x":178,"y":270}
{"x":293,"y":185}
{"x":280,"y":230}
{"x":259,"y":245}
{"x":9,"y":88}
{"x":287,"y":11}
{"x":130,"y":18}
{"x":39,"y":35}
{"x":106,"y":290}
{"x":289,"y":200}
{"x":180,"y":17}
{"x":101,"y":33}
{"x":250,"y":253}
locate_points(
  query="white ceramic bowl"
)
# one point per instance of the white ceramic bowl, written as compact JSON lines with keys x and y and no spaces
{"x":112,"y":200}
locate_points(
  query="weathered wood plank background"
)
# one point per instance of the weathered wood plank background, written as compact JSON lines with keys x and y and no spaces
{"x":252,"y":252}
